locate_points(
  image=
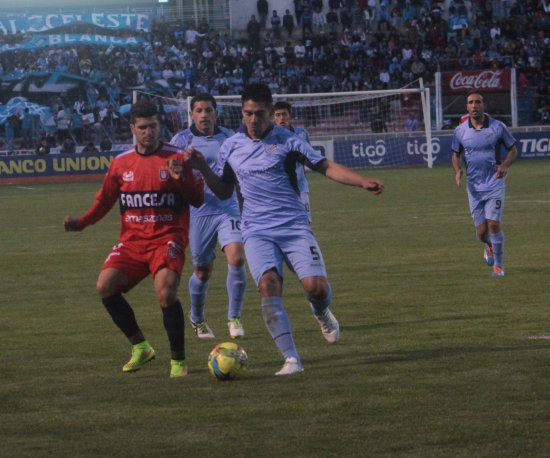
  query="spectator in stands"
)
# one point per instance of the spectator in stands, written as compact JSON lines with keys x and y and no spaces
{"x":63,"y":124}
{"x":412,"y":124}
{"x":27,"y":132}
{"x":306,"y":21}
{"x":89,"y":148}
{"x":77,"y":126}
{"x":332,"y":22}
{"x":288,"y":23}
{"x":68,"y":145}
{"x":276,"y":25}
{"x":263,"y":11}
{"x":319,"y":21}
{"x":378,"y":119}
{"x":253,"y":29}
{"x":106,"y":145}
{"x":43,"y":147}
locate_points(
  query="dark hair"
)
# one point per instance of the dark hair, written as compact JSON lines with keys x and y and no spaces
{"x":257,"y":92}
{"x":475,"y":91}
{"x":283,"y":106}
{"x":143,"y":108}
{"x":203,"y":97}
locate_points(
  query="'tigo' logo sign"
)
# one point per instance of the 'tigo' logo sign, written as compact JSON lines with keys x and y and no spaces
{"x":374,"y":153}
{"x":415,"y":148}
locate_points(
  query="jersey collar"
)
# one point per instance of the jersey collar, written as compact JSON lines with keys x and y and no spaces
{"x":485,"y":122}
{"x":197,"y":133}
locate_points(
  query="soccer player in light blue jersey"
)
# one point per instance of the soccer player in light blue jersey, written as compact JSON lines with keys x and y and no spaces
{"x":262,"y":162}
{"x":480,"y":139}
{"x":215,"y":221}
{"x":282,"y":115}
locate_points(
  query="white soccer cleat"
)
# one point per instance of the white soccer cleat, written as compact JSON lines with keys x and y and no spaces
{"x":236,"y":329}
{"x":202,"y":330}
{"x":291,"y":366}
{"x":329,"y":326}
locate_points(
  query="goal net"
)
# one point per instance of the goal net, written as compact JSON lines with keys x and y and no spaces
{"x":385,"y":128}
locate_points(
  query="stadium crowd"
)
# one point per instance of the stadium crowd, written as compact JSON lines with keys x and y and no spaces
{"x":321,"y":46}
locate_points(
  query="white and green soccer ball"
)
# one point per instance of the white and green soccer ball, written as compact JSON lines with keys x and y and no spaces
{"x":228,"y":361}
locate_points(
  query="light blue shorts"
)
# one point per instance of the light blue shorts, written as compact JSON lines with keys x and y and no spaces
{"x":486,"y":205}
{"x":206,"y":231}
{"x":296,"y":247}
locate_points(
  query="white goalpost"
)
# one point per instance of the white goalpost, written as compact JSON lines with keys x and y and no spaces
{"x":383,"y":128}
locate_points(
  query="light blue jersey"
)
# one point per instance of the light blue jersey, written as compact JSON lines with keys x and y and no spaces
{"x":265,"y":171}
{"x":302,"y":134}
{"x":209,"y":147}
{"x":482,"y":152}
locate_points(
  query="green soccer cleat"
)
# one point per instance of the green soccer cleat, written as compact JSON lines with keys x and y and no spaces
{"x":236,"y":329}
{"x":178,"y":368}
{"x":202,"y":330}
{"x":141,"y":353}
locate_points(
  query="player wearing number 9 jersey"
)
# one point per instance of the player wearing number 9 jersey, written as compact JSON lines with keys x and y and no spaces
{"x":216,"y":221}
{"x":479,"y":140}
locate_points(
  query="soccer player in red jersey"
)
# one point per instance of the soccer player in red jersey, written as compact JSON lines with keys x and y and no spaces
{"x":155,"y":188}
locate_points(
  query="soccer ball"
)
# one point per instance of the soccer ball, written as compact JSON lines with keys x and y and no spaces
{"x":228,"y":361}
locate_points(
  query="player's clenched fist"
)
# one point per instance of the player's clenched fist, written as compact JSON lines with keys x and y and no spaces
{"x":374,"y":185}
{"x":175,"y":168}
{"x":71,"y":224}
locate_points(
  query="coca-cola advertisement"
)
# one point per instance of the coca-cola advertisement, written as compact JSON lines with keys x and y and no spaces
{"x":496,"y":80}
{"x":494,"y":83}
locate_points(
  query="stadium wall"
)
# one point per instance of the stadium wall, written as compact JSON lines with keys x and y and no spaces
{"x":366,"y":152}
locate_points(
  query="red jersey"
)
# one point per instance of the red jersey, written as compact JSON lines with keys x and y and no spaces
{"x":153,"y":206}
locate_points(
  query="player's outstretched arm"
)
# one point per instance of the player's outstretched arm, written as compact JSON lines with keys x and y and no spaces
{"x":220,"y":188}
{"x":341,"y":174}
{"x":457,"y":167}
{"x":97,"y":211}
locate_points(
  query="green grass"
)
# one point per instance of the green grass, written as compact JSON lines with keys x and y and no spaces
{"x":437,"y":358}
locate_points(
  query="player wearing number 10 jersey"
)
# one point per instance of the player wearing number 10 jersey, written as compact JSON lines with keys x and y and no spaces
{"x":215,"y":221}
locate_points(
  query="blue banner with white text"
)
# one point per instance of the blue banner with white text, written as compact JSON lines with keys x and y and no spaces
{"x":40,"y":41}
{"x":36,"y":23}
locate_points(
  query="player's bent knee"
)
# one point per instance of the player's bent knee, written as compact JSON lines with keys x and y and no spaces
{"x":203,"y":273}
{"x":494,"y":227}
{"x":316,"y":287}
{"x":270,"y":284}
{"x":110,"y":282}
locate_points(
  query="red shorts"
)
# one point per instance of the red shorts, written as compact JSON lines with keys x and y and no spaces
{"x":137,"y":260}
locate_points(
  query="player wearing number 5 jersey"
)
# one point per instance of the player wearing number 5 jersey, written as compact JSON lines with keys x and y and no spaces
{"x":479,"y":140}
{"x":154,"y":188}
{"x":275,"y":227}
{"x":215,"y":221}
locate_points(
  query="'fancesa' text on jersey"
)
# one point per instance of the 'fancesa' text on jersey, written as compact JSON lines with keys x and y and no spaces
{"x":153,"y":205}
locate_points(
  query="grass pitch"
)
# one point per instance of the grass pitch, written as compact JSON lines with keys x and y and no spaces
{"x":437,"y":358}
